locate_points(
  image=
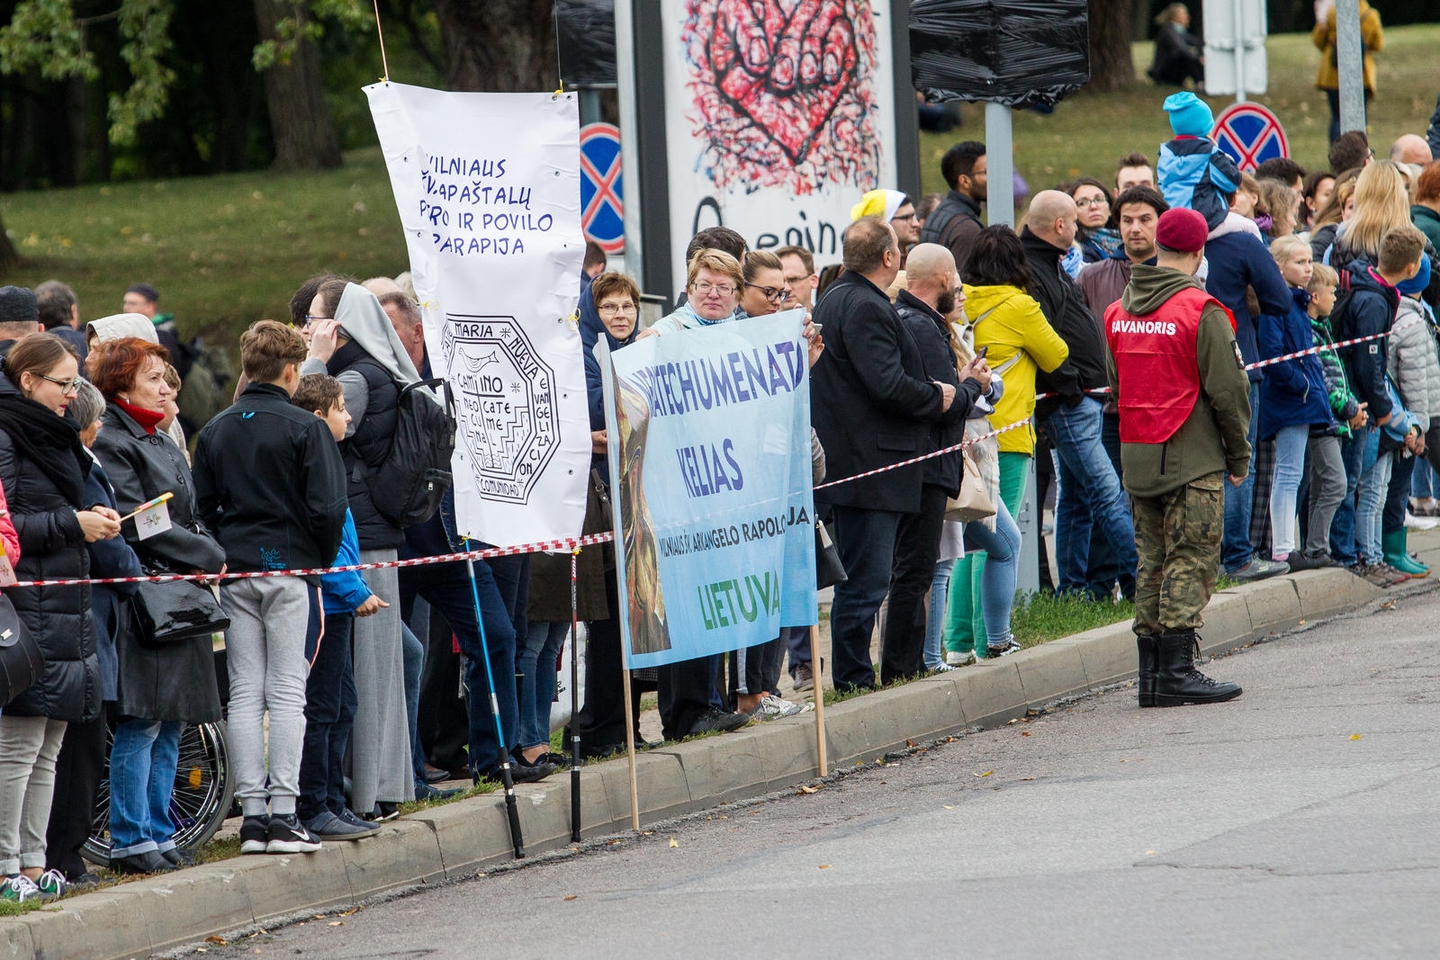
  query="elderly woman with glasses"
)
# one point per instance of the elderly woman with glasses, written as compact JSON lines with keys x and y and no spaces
{"x":43,"y":466}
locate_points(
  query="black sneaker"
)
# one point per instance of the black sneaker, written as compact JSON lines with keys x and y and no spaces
{"x":288,"y":835}
{"x":714,"y":719}
{"x":519,"y":773}
{"x":254,"y":834}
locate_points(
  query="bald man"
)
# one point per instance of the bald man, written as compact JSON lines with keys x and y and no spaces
{"x":1409,"y":148}
{"x":924,"y":308}
{"x":1090,"y":492}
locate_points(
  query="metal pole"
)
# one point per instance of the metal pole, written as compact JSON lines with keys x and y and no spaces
{"x":629,"y":137}
{"x":1350,"y":60}
{"x":589,"y":106}
{"x":511,"y":809}
{"x":574,"y":703}
{"x":1239,"y":9}
{"x":1000,"y":164}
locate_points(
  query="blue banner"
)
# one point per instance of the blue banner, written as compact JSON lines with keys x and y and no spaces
{"x":709,"y":447}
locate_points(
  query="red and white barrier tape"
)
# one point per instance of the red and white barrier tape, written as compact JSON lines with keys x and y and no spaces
{"x":928,"y":456}
{"x":542,"y":546}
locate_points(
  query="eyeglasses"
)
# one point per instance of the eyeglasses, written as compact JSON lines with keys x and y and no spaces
{"x":311,"y":318}
{"x":1093,"y":202}
{"x":66,"y":386}
{"x":704,"y":288}
{"x":612,"y":309}
{"x":770,"y":293}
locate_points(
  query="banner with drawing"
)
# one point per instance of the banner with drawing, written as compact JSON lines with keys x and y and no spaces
{"x":709,"y":451}
{"x":488,"y":187}
{"x":779,"y":116}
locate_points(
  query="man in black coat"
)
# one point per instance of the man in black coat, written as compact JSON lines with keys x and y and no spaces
{"x":932,"y":285}
{"x":1090,"y":492}
{"x":872,"y":406}
{"x":955,"y":223}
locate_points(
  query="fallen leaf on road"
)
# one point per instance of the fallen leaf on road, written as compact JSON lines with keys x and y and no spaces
{"x":1354,"y":736}
{"x":674,"y":842}
{"x":985,"y":774}
{"x":1024,"y":733}
{"x":804,"y":788}
{"x":218,"y":940}
{"x":572,"y":896}
{"x":1149,"y":853}
{"x":909,"y":742}
{"x":1015,"y":720}
{"x":824,"y":866}
{"x":336,"y":923}
{"x":949,"y":806}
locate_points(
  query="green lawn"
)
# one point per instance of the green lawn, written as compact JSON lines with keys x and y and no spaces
{"x":229,"y":249}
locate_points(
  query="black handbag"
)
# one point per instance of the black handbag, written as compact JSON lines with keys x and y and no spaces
{"x":167,"y":613}
{"x":828,"y":568}
{"x":21,"y":661}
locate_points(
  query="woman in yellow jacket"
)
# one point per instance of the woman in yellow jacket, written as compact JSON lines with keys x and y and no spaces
{"x":1006,"y":320}
{"x":1372,"y":39}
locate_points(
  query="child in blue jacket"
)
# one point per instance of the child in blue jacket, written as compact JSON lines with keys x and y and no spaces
{"x":330,"y":698}
{"x":1193,"y":171}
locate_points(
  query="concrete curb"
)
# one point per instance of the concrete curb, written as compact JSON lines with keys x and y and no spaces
{"x":458,"y":839}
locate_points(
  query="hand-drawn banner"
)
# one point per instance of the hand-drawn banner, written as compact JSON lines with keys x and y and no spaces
{"x":709,"y":451}
{"x":488,"y":187}
{"x":779,"y":115}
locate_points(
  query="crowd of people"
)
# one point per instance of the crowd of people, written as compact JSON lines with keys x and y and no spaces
{"x":1296,"y":426}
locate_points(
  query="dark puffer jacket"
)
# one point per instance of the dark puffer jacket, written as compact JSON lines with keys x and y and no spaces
{"x":52,"y":546}
{"x":368,"y":446}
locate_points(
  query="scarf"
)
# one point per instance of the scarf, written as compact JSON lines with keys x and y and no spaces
{"x":147,"y":419}
{"x":49,"y":441}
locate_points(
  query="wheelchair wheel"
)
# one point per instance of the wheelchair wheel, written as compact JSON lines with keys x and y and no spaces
{"x":204,"y":790}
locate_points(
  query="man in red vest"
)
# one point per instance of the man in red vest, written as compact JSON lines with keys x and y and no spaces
{"x":1184,"y":403}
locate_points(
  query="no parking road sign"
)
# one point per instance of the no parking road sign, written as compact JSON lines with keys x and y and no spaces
{"x":602,"y":210}
{"x":1250,"y":134}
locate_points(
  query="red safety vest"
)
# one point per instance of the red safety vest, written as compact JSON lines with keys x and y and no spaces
{"x":1156,"y":363}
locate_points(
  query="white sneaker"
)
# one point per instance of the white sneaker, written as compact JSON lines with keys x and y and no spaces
{"x":773,"y":708}
{"x":1420,"y":523}
{"x":941,"y":668}
{"x":961,"y":658}
{"x":18,"y":889}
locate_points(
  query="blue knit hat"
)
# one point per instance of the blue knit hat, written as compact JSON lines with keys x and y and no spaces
{"x":1189,"y":115}
{"x":1419,"y":282}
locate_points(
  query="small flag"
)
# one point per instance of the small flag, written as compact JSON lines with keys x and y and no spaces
{"x":152,"y":518}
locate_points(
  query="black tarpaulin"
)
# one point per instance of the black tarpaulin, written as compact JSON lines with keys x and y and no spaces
{"x":585,"y":35}
{"x":1020,"y":53}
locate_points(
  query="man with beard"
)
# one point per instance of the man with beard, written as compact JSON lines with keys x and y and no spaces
{"x":956,"y":220}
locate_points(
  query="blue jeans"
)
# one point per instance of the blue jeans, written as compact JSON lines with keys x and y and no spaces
{"x":1235,"y":548}
{"x":143,"y":760}
{"x":866,"y":542}
{"x":536,"y":666}
{"x":997,"y":580}
{"x":1290,"y":445}
{"x":1342,"y":529}
{"x":1089,"y":494}
{"x":413,"y":656}
{"x":935,"y":623}
{"x":1370,"y":506}
{"x":1422,"y":483}
{"x":447,"y":588}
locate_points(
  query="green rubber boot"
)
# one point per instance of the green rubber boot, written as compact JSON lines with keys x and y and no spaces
{"x":1397,"y":553}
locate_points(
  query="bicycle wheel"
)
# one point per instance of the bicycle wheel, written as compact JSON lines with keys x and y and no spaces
{"x":204,"y":789}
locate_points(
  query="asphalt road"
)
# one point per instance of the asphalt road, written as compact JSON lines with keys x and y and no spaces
{"x":1298,"y":820}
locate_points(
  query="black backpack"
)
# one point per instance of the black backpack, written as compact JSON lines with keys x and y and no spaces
{"x":1339,"y":321}
{"x":407,"y":487}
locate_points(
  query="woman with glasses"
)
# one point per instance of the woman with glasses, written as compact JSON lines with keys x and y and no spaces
{"x":713,"y":286}
{"x":1097,"y":239}
{"x":43,"y":466}
{"x":763,"y":291}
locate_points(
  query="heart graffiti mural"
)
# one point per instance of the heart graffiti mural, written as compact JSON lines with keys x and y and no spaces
{"x":781,"y":92}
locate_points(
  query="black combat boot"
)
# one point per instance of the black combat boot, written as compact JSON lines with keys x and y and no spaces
{"x":1149,"y":647}
{"x":1179,"y":682}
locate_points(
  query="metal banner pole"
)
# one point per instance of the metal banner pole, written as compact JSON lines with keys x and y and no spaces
{"x":574,"y":703}
{"x":1350,"y":61}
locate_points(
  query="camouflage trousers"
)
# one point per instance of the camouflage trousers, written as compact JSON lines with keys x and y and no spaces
{"x":1177,"y":539}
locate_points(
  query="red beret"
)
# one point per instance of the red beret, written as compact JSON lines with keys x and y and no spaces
{"x":1181,"y":229}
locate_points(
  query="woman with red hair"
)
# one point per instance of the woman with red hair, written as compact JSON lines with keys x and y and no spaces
{"x":161,"y":688}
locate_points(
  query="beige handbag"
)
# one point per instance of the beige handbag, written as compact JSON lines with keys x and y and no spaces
{"x":974,"y":502}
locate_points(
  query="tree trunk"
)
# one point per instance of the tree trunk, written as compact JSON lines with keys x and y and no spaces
{"x":502,"y":46}
{"x":1140,"y":20}
{"x":1111,"y":68}
{"x":300,"y":119}
{"x":9,"y":256}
